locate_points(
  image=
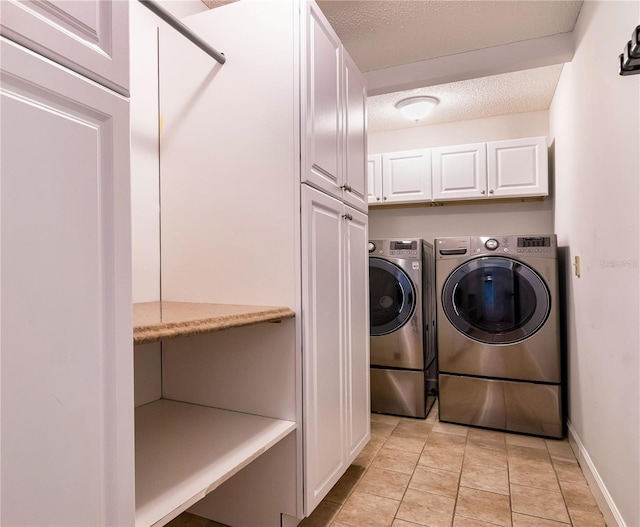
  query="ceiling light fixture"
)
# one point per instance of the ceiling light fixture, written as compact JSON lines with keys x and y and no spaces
{"x":416,"y":108}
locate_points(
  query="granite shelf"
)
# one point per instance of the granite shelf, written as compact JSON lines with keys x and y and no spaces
{"x":154,"y":321}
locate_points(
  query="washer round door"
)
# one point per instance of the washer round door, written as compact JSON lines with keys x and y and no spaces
{"x":392,"y":297}
{"x":496,"y":300}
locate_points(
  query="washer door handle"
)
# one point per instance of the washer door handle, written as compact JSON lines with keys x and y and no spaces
{"x":399,"y":286}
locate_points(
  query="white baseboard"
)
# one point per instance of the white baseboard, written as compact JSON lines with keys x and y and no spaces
{"x":611,"y":514}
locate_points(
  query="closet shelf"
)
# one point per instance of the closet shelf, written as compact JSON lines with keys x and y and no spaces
{"x":184,"y":451}
{"x":154,"y":321}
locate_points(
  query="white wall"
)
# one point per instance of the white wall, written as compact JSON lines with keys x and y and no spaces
{"x":145,"y":184}
{"x":532,"y":217}
{"x":145,"y":177}
{"x":595,"y":121}
{"x":531,"y":124}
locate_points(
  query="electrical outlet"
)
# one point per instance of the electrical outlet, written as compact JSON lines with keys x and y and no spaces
{"x":576,"y":265}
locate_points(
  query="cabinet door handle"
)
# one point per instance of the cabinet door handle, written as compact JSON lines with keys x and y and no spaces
{"x":384,"y":199}
{"x":378,"y":198}
{"x":346,"y":187}
{"x":491,"y":192}
{"x":347,"y":216}
{"x":482,"y":192}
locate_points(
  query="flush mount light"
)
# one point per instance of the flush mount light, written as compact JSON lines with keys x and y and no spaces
{"x":416,"y":108}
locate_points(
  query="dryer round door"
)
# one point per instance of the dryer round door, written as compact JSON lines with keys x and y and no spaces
{"x":496,"y":300}
{"x":392,"y":297}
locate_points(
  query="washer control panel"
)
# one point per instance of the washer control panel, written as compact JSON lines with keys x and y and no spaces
{"x":408,"y":249}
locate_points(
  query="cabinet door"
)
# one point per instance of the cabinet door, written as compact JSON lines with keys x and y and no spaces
{"x":459,"y":172}
{"x":406,"y":176}
{"x":518,"y":167}
{"x":356,"y":303}
{"x":355,"y":132}
{"x":65,"y":304}
{"x":374,"y":178}
{"x":322,"y":157}
{"x":323,"y":344}
{"x":91,"y":37}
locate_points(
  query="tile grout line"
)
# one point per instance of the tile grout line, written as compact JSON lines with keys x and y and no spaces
{"x":455,"y":505}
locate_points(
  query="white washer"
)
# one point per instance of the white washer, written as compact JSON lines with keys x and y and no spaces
{"x":499,"y":355}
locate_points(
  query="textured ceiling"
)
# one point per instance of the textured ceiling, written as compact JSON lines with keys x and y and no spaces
{"x":517,"y":92}
{"x":383,"y":33}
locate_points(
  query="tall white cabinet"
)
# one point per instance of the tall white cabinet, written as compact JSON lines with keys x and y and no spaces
{"x":336,"y":370}
{"x":334,"y":260}
{"x":66,"y":329}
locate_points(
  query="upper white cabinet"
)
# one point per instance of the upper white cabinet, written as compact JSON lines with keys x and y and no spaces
{"x":323,"y":113}
{"x":334,"y":118}
{"x":67,"y":370}
{"x":514,"y":168}
{"x":355,"y":135}
{"x":84,"y":35}
{"x":518,"y":167}
{"x":406,"y":176}
{"x":459,"y":172}
{"x":374,"y":178}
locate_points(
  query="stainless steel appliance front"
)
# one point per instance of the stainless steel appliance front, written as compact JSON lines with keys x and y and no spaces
{"x":498,"y":322}
{"x":402,"y":311}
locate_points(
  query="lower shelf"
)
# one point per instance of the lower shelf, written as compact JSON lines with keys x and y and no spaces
{"x":184,"y":451}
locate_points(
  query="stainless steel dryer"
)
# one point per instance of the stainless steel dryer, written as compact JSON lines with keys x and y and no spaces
{"x":498,"y":333}
{"x":402,"y":311}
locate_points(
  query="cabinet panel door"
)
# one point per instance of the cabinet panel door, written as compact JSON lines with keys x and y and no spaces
{"x":356,"y":302}
{"x":91,"y":37}
{"x":459,"y":172}
{"x":322,"y":165}
{"x":66,"y":355}
{"x":355,"y":152}
{"x":323,"y":343}
{"x":518,"y":167}
{"x":406,"y":176}
{"x":374,"y":178}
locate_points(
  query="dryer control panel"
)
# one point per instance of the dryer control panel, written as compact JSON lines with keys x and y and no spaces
{"x":543,"y":246}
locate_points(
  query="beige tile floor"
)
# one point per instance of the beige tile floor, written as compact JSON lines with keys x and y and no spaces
{"x":426,"y":473}
{"x":417,"y":473}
